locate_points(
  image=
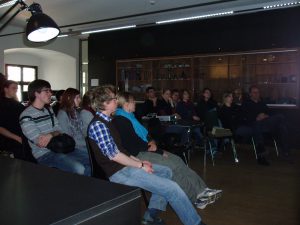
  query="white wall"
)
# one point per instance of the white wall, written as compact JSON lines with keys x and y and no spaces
{"x":22,"y":59}
{"x":60,"y":72}
{"x":61,"y":75}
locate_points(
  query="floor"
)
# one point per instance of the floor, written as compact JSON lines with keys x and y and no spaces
{"x":252,"y":194}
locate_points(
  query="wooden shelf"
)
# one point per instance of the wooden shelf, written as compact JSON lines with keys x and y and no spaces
{"x":220,"y":72}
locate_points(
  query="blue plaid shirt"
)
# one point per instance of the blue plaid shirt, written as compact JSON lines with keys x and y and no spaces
{"x":99,"y":132}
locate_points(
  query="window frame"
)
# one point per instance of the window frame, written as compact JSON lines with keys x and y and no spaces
{"x":22,"y":83}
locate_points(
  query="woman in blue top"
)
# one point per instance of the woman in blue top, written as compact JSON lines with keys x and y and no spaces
{"x":134,"y":137}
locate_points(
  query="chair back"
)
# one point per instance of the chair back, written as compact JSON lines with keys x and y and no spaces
{"x":96,"y":170}
{"x":211,"y":120}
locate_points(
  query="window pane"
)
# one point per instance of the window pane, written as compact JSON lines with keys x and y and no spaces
{"x":14,"y":73}
{"x":28,"y":74}
{"x":25,"y":87}
{"x":19,"y":93}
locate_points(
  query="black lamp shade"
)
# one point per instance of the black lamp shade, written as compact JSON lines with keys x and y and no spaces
{"x":41,"y":28}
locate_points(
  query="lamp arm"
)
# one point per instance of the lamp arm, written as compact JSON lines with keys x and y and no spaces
{"x":23,"y":6}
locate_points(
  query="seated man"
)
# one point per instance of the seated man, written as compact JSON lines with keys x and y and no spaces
{"x":122,"y":168}
{"x":134,"y":138}
{"x":39,"y":125}
{"x":256,"y":113}
{"x":150,"y":104}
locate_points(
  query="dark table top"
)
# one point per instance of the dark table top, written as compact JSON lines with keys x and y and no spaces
{"x":34,"y":194}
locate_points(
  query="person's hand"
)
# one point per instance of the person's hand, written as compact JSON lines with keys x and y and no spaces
{"x":177,"y":116}
{"x":18,"y":139}
{"x":152,"y":146}
{"x":148,"y":168}
{"x":165,"y":154}
{"x":261,"y":116}
{"x":43,"y":140}
{"x":196,"y":118}
{"x":147,"y":162}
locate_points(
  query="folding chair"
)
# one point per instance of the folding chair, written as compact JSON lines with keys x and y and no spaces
{"x":213,"y":130}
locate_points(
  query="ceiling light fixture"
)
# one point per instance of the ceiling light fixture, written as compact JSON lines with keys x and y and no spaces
{"x":287,"y":4}
{"x":62,"y":35}
{"x":9,"y":3}
{"x":40,"y":27}
{"x":109,"y":29}
{"x":195,"y":17}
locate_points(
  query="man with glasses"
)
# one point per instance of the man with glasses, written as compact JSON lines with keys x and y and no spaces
{"x":40,"y":125}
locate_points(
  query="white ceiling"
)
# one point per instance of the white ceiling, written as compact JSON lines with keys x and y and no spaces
{"x":81,"y":15}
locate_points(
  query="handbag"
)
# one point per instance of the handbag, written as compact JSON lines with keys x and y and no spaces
{"x":62,"y":143}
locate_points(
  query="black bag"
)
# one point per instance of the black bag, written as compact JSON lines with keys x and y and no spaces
{"x":62,"y":143}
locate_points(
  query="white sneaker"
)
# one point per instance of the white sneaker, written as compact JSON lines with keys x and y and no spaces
{"x":211,"y":194}
{"x":201,"y":203}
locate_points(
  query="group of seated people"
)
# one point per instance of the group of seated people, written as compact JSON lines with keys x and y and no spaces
{"x":122,"y":146}
{"x":246,"y":116}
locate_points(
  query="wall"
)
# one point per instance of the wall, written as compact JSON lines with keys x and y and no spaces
{"x":22,"y":59}
{"x":60,"y":72}
{"x":263,"y":30}
{"x":68,"y":46}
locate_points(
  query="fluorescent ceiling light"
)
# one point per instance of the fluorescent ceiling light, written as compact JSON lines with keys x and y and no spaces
{"x":109,"y":29}
{"x":62,"y":35}
{"x":195,"y":17}
{"x":8,"y":3}
{"x":287,"y":4}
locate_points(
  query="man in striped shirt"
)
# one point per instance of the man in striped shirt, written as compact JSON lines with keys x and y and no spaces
{"x":39,"y":125}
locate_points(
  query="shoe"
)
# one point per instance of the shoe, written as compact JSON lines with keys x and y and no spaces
{"x":262,"y":161}
{"x":201,"y":203}
{"x":155,"y":221}
{"x":211,"y":194}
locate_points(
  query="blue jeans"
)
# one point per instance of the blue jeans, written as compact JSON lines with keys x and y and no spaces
{"x":74,"y":162}
{"x":163,"y":190}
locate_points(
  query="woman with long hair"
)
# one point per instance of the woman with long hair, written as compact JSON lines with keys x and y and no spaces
{"x":71,"y":124}
{"x":87,"y":113}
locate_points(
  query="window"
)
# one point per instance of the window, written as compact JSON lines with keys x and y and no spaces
{"x":23,"y":75}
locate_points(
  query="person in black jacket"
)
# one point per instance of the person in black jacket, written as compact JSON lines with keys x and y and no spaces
{"x":205,"y":104}
{"x":135,"y":139}
{"x":10,"y":110}
{"x":257,"y":115}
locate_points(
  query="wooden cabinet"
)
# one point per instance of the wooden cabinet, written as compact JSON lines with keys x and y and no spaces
{"x":274,"y":71}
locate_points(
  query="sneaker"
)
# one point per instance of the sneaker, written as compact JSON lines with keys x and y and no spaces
{"x":201,"y":203}
{"x":155,"y":221}
{"x":211,"y":194}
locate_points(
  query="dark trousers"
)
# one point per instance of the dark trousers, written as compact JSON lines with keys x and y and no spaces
{"x":275,"y":125}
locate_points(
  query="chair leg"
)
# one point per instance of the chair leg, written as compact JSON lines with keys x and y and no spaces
{"x":211,"y":153}
{"x":185,"y":159}
{"x":204,"y":160}
{"x":254,"y":147}
{"x":275,"y":145}
{"x":236,"y":160}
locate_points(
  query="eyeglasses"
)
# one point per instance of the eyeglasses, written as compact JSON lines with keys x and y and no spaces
{"x":48,"y":90}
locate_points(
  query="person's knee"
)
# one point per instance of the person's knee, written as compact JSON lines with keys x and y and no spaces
{"x":78,"y":168}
